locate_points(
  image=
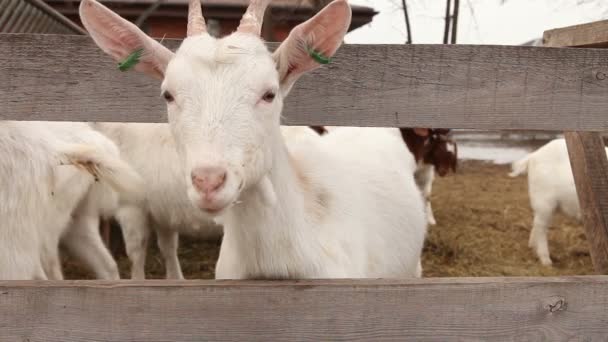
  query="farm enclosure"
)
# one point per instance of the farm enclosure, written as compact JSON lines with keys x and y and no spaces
{"x":480,"y":87}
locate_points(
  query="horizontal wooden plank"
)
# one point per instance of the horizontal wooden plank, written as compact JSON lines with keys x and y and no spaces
{"x":586,"y":35}
{"x":457,"y":86}
{"x":496,"y":309}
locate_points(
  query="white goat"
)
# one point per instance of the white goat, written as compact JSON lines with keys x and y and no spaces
{"x":345,"y":205}
{"x":151,"y":150}
{"x":550,"y":187}
{"x":46,"y":177}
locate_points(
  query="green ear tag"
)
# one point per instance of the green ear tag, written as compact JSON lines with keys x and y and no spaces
{"x":131,"y":60}
{"x":318,"y":56}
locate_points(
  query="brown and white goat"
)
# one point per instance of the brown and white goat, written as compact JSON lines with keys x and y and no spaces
{"x":433,"y":150}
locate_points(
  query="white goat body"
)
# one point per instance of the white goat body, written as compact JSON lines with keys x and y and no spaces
{"x":348,"y":208}
{"x":425,"y":170}
{"x":150,"y":149}
{"x":550,"y":187}
{"x":47,"y":173}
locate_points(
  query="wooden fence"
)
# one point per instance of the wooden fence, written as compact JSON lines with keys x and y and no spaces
{"x":474,"y":309}
{"x":476,"y":87}
{"x":459,"y":86}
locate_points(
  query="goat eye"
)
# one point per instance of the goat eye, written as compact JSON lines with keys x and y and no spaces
{"x":168,"y":97}
{"x":269,"y":96}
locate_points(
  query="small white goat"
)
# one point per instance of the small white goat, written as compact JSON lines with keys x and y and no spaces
{"x":550,"y":187}
{"x":151,"y":150}
{"x":345,"y":205}
{"x":46,"y":178}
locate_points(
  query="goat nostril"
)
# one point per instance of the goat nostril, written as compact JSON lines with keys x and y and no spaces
{"x":207,"y":180}
{"x":221,"y":179}
{"x":198,"y":182}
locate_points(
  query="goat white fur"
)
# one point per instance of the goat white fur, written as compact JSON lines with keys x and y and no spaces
{"x":341,"y":206}
{"x":46,"y":177}
{"x":150,"y":149}
{"x":348,"y":207}
{"x":550,"y":187}
{"x":424,"y":176}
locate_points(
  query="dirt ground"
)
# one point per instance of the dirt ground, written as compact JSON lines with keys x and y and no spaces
{"x":483,"y":225}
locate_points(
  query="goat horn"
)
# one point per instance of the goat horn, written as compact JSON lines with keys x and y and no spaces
{"x":196,"y":22}
{"x":254,"y":17}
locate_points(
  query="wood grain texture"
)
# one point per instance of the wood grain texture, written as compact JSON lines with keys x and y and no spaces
{"x":458,"y":86}
{"x":586,"y":35}
{"x":496,"y":309}
{"x":590,"y":170}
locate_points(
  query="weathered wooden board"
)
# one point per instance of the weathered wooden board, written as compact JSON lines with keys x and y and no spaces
{"x":590,"y":170}
{"x":489,"y":309}
{"x":586,"y":35}
{"x":457,"y":86}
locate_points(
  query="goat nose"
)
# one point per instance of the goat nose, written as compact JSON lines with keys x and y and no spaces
{"x":207,"y":180}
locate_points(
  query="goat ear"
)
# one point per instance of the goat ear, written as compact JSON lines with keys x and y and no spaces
{"x":119,"y":38}
{"x":322,"y":34}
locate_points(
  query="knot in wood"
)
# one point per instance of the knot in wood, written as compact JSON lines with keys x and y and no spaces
{"x":555,"y":304}
{"x":600,"y":75}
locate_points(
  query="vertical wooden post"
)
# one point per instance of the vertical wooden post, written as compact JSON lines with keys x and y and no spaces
{"x":587,"y":153}
{"x":590,"y":169}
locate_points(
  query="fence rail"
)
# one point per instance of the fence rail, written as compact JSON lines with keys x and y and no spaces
{"x":457,"y":86}
{"x":515,"y":309}
{"x":586,"y":35}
